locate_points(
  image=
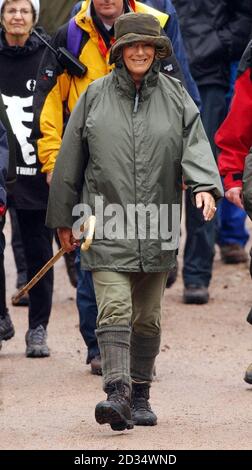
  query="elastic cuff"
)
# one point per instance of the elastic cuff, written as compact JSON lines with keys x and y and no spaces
{"x":233,"y":180}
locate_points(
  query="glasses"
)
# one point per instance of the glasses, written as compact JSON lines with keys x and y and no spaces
{"x":14,"y":12}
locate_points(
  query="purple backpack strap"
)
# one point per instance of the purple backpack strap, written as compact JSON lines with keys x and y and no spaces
{"x":74,"y":37}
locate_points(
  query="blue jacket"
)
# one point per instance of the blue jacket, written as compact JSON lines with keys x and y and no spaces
{"x":4,"y":163}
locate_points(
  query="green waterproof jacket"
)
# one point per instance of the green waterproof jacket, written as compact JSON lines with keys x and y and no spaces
{"x":124,"y":150}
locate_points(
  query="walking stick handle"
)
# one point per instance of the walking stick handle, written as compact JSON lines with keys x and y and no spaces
{"x":39,"y":275}
{"x":89,"y":225}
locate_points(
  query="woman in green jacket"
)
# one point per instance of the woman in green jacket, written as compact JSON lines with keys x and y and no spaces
{"x":131,"y":138}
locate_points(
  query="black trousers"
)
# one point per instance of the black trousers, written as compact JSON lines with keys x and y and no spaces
{"x":2,"y":271}
{"x":37,"y":242}
{"x":18,"y":249}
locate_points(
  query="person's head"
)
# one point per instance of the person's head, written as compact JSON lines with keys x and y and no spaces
{"x":108,"y":10}
{"x":138,"y":43}
{"x":18,"y":17}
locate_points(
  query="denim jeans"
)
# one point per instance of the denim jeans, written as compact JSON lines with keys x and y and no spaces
{"x":231,"y":224}
{"x":201,"y":236}
{"x":86,"y":304}
{"x":199,"y":246}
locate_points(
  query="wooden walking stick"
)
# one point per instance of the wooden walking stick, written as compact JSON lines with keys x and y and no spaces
{"x":88,"y":226}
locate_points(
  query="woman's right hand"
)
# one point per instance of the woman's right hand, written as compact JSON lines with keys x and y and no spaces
{"x":67,"y":241}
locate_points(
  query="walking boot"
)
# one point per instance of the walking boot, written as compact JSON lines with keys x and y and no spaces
{"x":6,"y":328}
{"x":114,"y":347}
{"x":233,"y":254}
{"x":116,"y":409}
{"x":195,"y":295}
{"x":142,"y":413}
{"x":36,"y":342}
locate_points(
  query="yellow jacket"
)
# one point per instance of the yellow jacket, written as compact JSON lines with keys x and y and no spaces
{"x":57,"y":92}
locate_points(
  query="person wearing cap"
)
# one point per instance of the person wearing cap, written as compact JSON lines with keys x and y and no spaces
{"x":20,"y":55}
{"x":132,"y":136}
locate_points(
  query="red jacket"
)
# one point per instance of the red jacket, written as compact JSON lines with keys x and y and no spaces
{"x":234,"y":137}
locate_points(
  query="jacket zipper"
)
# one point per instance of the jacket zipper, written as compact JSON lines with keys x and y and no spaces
{"x":136,"y":102}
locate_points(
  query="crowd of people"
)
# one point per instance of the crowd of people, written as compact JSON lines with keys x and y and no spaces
{"x":147,"y":118}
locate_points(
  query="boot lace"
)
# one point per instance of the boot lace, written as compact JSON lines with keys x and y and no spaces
{"x":117,"y":392}
{"x":140,"y":398}
{"x":38,"y":335}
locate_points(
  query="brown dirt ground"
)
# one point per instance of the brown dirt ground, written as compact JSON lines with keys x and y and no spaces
{"x":199,"y":395}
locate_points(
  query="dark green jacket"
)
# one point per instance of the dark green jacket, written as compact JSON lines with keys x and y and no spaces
{"x":12,"y":146}
{"x":130,"y":152}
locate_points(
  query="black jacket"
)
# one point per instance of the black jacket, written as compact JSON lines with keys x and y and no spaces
{"x":11,"y":177}
{"x":19,"y":66}
{"x":215,"y":33}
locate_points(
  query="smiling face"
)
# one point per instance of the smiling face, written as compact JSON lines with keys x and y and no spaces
{"x":138,"y":58}
{"x":17,"y":20}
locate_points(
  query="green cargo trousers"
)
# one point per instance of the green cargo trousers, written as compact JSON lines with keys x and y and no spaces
{"x":130,"y":299}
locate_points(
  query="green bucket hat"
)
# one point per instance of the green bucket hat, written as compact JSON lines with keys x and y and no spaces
{"x":135,"y":27}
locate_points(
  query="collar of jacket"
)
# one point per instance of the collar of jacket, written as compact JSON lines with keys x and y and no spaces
{"x":31,"y":46}
{"x":126,"y":86}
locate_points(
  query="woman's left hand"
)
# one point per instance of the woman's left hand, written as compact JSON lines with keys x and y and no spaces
{"x":206,"y":201}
